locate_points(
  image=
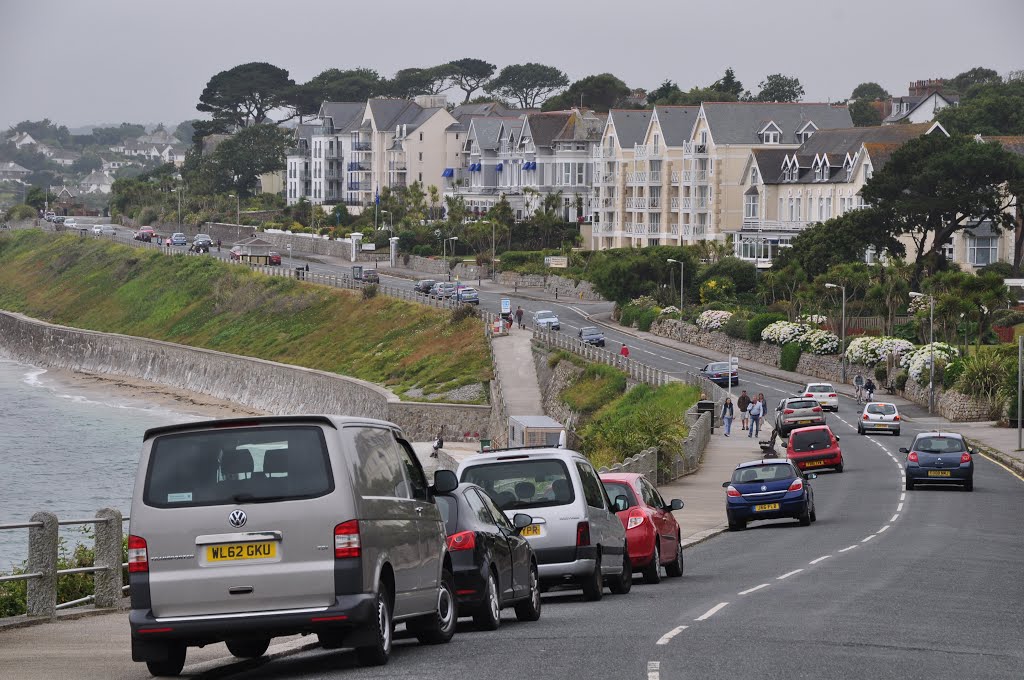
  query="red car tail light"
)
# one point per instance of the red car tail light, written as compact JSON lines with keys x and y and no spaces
{"x":912,"y":457}
{"x":808,"y":395}
{"x":965,"y":458}
{"x":636,"y":518}
{"x":833,"y":395}
{"x":788,"y":412}
{"x":463,"y":540}
{"x":138,"y":555}
{"x":896,"y":417}
{"x":582,"y":534}
{"x":864,"y":417}
{"x":797,"y":485}
{"x":816,"y":409}
{"x":732,"y":491}
{"x":346,"y":540}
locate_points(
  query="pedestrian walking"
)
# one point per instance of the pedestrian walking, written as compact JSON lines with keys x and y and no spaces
{"x":744,"y":403}
{"x":755,"y":413}
{"x":218,"y":245}
{"x":519,"y":316}
{"x":438,"y":443}
{"x":624,"y":353}
{"x":727,"y":415}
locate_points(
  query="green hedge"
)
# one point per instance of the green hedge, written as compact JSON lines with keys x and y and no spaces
{"x":736,"y":327}
{"x":760,"y":322}
{"x":900,"y":381}
{"x":629,"y":316}
{"x":790,"y":356}
{"x":952,"y":374}
{"x":645,"y":318}
{"x":881,"y":373}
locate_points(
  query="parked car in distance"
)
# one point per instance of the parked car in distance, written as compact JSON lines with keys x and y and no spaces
{"x":273,"y":258}
{"x":145,"y":234}
{"x":578,"y":539}
{"x":794,"y":412}
{"x":768,"y":489}
{"x":248,"y":529}
{"x":423,"y":286}
{"x":814,"y":447}
{"x":468,"y":295}
{"x":653,"y":536}
{"x":203,"y":241}
{"x":591,"y":336}
{"x":879,"y":416}
{"x":179,"y":239}
{"x":442,"y":289}
{"x":939,"y":458}
{"x":60,"y":219}
{"x":69,"y":222}
{"x":824,"y":394}
{"x":546,"y":319}
{"x":493,"y":564}
{"x":235,"y":253}
{"x":370,"y":276}
{"x":104,"y":229}
{"x":721,"y":373}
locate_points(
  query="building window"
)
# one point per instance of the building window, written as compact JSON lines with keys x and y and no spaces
{"x":982,"y":250}
{"x":580,"y":167}
{"x":657,"y":144}
{"x":421,"y":137}
{"x":421,"y":156}
{"x":828,"y":208}
{"x":770,"y":137}
{"x":750,"y":206}
{"x":817,"y":172}
{"x":754,"y":176}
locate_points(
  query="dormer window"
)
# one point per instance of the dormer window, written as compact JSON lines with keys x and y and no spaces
{"x":754,"y":178}
{"x":817,"y":172}
{"x":770,"y":137}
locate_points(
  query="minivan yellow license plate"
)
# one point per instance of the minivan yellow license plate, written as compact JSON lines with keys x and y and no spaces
{"x":766,"y":506}
{"x":938,"y":473}
{"x":241,"y":551}
{"x":531,"y":530}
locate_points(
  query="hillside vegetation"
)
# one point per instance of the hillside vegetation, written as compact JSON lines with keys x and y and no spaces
{"x":200,"y":301}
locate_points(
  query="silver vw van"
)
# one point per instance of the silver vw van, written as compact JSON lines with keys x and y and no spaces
{"x":251,"y":528}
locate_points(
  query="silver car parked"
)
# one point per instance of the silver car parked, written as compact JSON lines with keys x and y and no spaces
{"x":247,"y":529}
{"x":576,"y":535}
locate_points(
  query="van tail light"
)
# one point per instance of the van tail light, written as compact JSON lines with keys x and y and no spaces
{"x":463,"y":540}
{"x":636,"y":518}
{"x":816,"y":409}
{"x":582,"y":534}
{"x":965,"y":458}
{"x":808,"y":395}
{"x":346,"y":540}
{"x":797,"y":485}
{"x":732,"y":491}
{"x":138,"y":555}
{"x":788,"y":412}
{"x":896,"y":417}
{"x":912,"y":457}
{"x":864,"y":417}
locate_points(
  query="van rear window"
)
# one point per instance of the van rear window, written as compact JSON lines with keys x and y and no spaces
{"x":243,"y":465}
{"x":521,"y":484}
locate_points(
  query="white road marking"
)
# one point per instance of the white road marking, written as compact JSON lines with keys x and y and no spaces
{"x":664,"y":639}
{"x":823,"y":557}
{"x":848,"y":548}
{"x":788,"y":574}
{"x":903,"y":496}
{"x":899,"y":508}
{"x":868,"y":538}
{"x":711,"y":612}
{"x":653,"y":670}
{"x":894,"y":517}
{"x":883,"y":528}
{"x":750,"y":590}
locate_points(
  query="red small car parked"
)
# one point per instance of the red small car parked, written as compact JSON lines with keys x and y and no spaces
{"x":274,"y":258}
{"x":810,"y":448}
{"x":653,"y":537}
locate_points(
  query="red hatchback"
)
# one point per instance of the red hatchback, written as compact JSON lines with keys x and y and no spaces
{"x":652,"y":533}
{"x":810,"y":448}
{"x":274,"y":258}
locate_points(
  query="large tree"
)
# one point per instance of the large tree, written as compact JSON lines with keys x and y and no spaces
{"x":244,"y":95}
{"x":239,"y":160}
{"x":529,"y":84}
{"x":185,"y":131}
{"x":870,"y":91}
{"x":410,"y":82}
{"x":839,"y":240}
{"x":864,"y":114}
{"x":600,"y":93}
{"x":935,"y":186}
{"x":991,"y":109}
{"x":729,"y":85}
{"x":469,"y":75}
{"x":780,"y":88}
{"x":978,"y":75}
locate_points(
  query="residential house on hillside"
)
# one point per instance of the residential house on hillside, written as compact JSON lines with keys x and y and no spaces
{"x":20,"y":139}
{"x":174,"y":153}
{"x":298,"y":183}
{"x":924,"y":100}
{"x":62,"y":157}
{"x":158,"y":138}
{"x":98,"y":182}
{"x":10,"y":170}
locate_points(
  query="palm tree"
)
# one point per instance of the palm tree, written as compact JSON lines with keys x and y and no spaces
{"x":435,"y":198}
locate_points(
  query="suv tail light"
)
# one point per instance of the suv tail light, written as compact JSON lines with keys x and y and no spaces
{"x":463,"y":540}
{"x":138,"y":555}
{"x":816,"y":409}
{"x":582,"y":534}
{"x":732,"y":491}
{"x":788,"y":412}
{"x":797,"y":485}
{"x":346,"y":540}
{"x":636,"y":518}
{"x":965,"y":458}
{"x":912,"y":457}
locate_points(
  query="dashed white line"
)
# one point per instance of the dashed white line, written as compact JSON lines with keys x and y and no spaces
{"x":886,"y":527}
{"x":848,"y":548}
{"x":893,"y":518}
{"x":899,"y":508}
{"x":903,"y":496}
{"x":750,"y":590}
{"x":711,"y":612}
{"x":664,"y":639}
{"x":653,"y":670}
{"x":868,"y":538}
{"x":820,"y":559}
{"x":788,"y":574}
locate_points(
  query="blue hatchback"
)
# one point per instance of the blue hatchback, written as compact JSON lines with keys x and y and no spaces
{"x":768,"y":489}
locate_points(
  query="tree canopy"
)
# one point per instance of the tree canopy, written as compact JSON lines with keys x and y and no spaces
{"x":528,"y":84}
{"x":600,"y":93}
{"x":870,"y":91}
{"x":243,"y":96}
{"x":238,"y":161}
{"x":864,"y":114}
{"x":410,"y":82}
{"x":978,"y":75}
{"x":841,"y":239}
{"x":780,"y":88}
{"x":469,"y":75}
{"x":990,"y":109}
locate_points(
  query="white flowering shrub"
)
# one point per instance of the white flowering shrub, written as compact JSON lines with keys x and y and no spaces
{"x":917,"y":304}
{"x":869,"y":350}
{"x":918,"y":362}
{"x":819,"y":341}
{"x":671,"y":309}
{"x":781,"y":332}
{"x":712,"y":319}
{"x":812,"y":318}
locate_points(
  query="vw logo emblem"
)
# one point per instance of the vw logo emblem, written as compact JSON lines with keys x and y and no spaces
{"x":763,"y":488}
{"x":237,"y":519}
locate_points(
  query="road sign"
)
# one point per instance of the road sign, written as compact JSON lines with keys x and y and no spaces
{"x":556,"y":261}
{"x":506,"y":306}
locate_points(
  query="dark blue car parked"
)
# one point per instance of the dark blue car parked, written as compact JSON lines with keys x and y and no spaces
{"x":768,"y":489}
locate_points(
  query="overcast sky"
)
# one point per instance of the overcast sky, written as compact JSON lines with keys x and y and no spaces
{"x":107,"y":61}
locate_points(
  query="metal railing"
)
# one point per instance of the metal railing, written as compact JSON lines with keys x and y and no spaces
{"x":675,"y":177}
{"x":42,"y":574}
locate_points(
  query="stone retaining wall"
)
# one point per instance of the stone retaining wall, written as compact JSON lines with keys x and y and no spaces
{"x":257,"y":384}
{"x":551,"y":283}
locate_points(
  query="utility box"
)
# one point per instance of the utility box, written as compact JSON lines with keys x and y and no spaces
{"x":709,"y":408}
{"x":534,"y":431}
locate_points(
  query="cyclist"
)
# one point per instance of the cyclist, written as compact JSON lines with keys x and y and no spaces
{"x":869,"y":389}
{"x":858,"y":383}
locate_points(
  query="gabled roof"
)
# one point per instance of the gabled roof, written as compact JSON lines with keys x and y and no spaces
{"x":485,"y":131}
{"x":739,"y":122}
{"x":582,"y":126}
{"x":544,"y":127}
{"x":341,"y":114}
{"x":769,"y":164}
{"x":849,"y":140}
{"x":915,"y":102}
{"x":482,"y":109}
{"x":676,"y":123}
{"x":630,"y":125}
{"x":387,"y":113}
{"x":97,"y":177}
{"x":11,"y":166}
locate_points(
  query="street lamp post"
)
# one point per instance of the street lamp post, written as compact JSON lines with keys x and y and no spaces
{"x":238,"y":216}
{"x":682,"y":271}
{"x":931,"y":347}
{"x":444,"y":253}
{"x":842,"y":347}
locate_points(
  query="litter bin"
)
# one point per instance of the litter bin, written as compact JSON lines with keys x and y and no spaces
{"x":707,"y":407}
{"x":300,"y":272}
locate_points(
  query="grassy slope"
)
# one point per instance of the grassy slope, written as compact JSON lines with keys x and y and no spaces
{"x":200,"y":301}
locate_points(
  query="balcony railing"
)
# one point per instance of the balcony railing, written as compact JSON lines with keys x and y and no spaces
{"x":774,"y":225}
{"x":675,"y":177}
{"x":601,"y":152}
{"x":608,"y":202}
{"x":675,"y":203}
{"x":638,"y":228}
{"x":641,"y":151}
{"x":358,"y":167}
{"x":673,"y":229}
{"x":654,"y":202}
{"x":354,"y":186}
{"x":654,"y":228}
{"x":636,"y":178}
{"x":699,"y":176}
{"x":361,"y":146}
{"x":654,"y":177}
{"x":686,"y":202}
{"x":397,"y":167}
{"x":636,"y":202}
{"x":694,"y":149}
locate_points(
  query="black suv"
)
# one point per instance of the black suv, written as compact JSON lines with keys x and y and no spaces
{"x":423,"y":286}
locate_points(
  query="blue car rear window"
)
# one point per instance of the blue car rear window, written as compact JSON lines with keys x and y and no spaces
{"x":763,"y":473}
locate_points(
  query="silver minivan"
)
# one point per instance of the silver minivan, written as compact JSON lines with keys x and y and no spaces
{"x":576,"y":535}
{"x":251,"y":528}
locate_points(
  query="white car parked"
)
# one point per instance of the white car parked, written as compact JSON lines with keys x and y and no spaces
{"x":104,"y":229}
{"x":546,"y":319}
{"x":823,"y":393}
{"x":879,"y":416}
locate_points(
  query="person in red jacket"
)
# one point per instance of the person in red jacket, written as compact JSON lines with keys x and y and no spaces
{"x":624,"y":352}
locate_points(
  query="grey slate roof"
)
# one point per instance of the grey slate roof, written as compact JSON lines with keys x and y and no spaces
{"x":341,"y":114}
{"x":739,"y":122}
{"x":482,"y":109}
{"x":630,"y":125}
{"x":841,"y":141}
{"x":676,"y":123}
{"x":387,"y":113}
{"x":11,"y":166}
{"x":486,"y":131}
{"x":582,"y":126}
{"x":769,"y":163}
{"x":544,"y":127}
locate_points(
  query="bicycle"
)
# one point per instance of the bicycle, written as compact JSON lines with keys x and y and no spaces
{"x":859,"y":391}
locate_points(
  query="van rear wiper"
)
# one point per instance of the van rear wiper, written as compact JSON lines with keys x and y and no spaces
{"x":252,"y":498}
